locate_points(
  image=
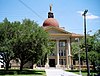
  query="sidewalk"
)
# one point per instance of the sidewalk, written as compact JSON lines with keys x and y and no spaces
{"x":59,"y":72}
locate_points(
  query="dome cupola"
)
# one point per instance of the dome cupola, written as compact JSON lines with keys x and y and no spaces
{"x":50,"y":21}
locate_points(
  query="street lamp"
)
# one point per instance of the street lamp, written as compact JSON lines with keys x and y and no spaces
{"x":79,"y":56}
{"x":84,"y":15}
{"x":89,"y":31}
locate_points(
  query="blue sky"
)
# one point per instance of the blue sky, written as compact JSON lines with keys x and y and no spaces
{"x":67,"y":12}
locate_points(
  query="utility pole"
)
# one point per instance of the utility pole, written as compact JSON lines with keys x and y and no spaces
{"x":84,"y":14}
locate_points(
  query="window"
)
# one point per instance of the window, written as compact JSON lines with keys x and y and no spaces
{"x":59,"y":52}
{"x":62,"y":52}
{"x":62,"y":61}
{"x":61,"y":43}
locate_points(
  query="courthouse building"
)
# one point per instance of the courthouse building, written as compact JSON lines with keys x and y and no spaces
{"x":61,"y":56}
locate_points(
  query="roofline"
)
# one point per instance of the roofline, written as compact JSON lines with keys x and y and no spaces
{"x":60,"y":34}
{"x":60,"y":29}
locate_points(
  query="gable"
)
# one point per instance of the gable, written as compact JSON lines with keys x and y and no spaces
{"x":56,"y":30}
{"x":53,"y":31}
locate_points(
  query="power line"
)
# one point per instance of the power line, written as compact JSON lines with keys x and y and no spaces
{"x":30,"y":9}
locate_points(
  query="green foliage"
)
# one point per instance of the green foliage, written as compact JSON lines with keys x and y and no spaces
{"x":93,"y":56}
{"x":93,"y":46}
{"x":6,"y":34}
{"x":83,"y":55}
{"x":26,"y":40}
{"x":49,"y":50}
{"x":75,"y":50}
{"x":31,"y":42}
{"x":76,"y":47}
{"x":6,"y":41}
{"x":27,"y":72}
{"x":97,"y":41}
{"x":97,"y":35}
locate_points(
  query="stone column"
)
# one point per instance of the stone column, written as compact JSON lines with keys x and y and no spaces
{"x":66,"y":53}
{"x":57,"y":47}
{"x":69,"y":47}
{"x":69,"y":53}
{"x":47,"y":63}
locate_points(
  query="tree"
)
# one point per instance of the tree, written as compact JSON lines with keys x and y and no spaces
{"x":25,"y":41}
{"x":97,"y":41}
{"x":93,"y":47}
{"x":31,"y":42}
{"x":6,"y":41}
{"x":76,"y":47}
{"x":93,"y":58}
{"x":97,"y":45}
{"x":75,"y":50}
{"x":50,"y":48}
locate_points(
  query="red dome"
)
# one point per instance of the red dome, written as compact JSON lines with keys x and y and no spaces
{"x":50,"y":22}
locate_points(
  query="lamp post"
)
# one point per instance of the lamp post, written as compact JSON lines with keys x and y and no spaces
{"x":79,"y":60}
{"x":89,"y":31}
{"x":77,"y":39}
{"x":84,"y":14}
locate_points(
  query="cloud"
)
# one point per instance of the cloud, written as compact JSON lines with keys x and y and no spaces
{"x":89,"y":15}
{"x":80,"y":12}
{"x":92,"y":17}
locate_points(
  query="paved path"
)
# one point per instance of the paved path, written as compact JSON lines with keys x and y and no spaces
{"x":59,"y":72}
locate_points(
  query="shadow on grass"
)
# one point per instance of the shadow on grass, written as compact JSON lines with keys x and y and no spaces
{"x":18,"y":72}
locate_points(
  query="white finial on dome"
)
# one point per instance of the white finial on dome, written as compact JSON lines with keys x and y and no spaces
{"x":50,"y":7}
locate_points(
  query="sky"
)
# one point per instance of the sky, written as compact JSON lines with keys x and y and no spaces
{"x":67,"y":12}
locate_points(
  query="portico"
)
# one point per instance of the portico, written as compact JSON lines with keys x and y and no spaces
{"x":61,"y":55}
{"x":62,"y":52}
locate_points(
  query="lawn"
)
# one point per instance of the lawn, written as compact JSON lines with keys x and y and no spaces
{"x":84,"y":72}
{"x":22,"y":73}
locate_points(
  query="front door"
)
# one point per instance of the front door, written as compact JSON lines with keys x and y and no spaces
{"x":52,"y":62}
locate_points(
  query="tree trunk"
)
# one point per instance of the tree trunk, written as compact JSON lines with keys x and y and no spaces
{"x":94,"y":66}
{"x":7,"y":65}
{"x":73,"y":62}
{"x":32,"y":65}
{"x":21,"y":65}
{"x":81,"y":61}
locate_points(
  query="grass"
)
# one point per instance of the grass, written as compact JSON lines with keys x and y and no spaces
{"x":22,"y":73}
{"x":84,"y":72}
